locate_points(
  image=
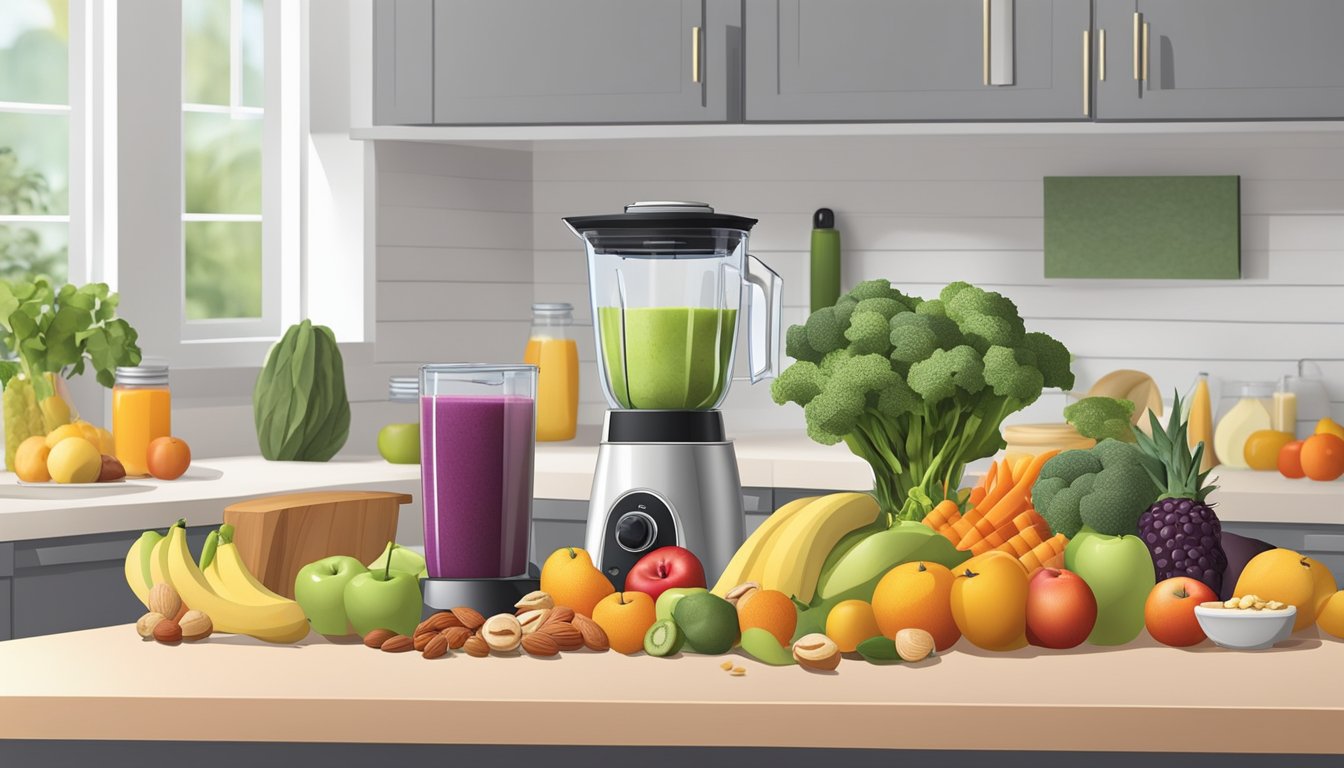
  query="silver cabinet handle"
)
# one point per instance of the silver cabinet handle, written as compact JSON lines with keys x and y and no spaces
{"x":1145,"y":52}
{"x":1138,"y":34}
{"x":1087,"y":73}
{"x":984,"y":41}
{"x":1101,"y":55}
{"x":695,"y":54}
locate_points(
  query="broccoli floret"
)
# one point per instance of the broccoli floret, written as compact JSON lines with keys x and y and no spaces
{"x":873,"y":289}
{"x":945,"y":371}
{"x":1010,"y":373}
{"x":844,"y":308}
{"x":869,"y":332}
{"x":824,"y":331}
{"x":898,"y":399}
{"x":985,"y":317}
{"x":932,"y":307}
{"x":1102,"y":417}
{"x":886,"y":307}
{"x":912,"y":338}
{"x":797,"y":346}
{"x":798,"y":383}
{"x":1052,"y":358}
{"x":1104,"y":488}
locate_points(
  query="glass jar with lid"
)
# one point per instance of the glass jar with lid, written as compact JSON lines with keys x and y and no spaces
{"x":1250,"y":412}
{"x":142,"y":411}
{"x":552,"y":349}
{"x":399,"y":441}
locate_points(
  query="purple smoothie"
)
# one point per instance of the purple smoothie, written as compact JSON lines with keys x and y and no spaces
{"x":476,"y":470}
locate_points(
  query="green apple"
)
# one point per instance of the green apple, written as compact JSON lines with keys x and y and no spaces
{"x":319,"y":589}
{"x":403,"y":559}
{"x":385,"y":599}
{"x":1119,"y":570}
{"x":400,"y":443}
{"x":669,"y":599}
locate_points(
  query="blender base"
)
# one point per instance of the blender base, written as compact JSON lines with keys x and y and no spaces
{"x":489,"y":596}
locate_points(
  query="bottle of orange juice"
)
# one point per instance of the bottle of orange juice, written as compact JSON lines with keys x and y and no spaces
{"x":551,"y":348}
{"x":142,"y":410}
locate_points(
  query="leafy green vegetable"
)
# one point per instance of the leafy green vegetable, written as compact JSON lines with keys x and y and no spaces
{"x":299,"y":402}
{"x":1102,"y":417}
{"x":62,"y":331}
{"x":915,"y":387}
{"x":1105,"y":488}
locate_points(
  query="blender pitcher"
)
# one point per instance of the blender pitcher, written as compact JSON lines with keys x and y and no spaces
{"x":668,"y":282}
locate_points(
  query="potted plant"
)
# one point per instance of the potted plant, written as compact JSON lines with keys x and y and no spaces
{"x":48,"y":332}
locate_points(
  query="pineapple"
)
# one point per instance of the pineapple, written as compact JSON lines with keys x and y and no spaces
{"x":1181,"y":531}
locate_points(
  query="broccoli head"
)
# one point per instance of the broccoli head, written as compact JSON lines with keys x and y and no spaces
{"x":1102,"y":417}
{"x":1013,"y":373}
{"x":869,"y":332}
{"x":985,"y":317}
{"x":1104,"y":488}
{"x":1052,"y":358}
{"x":946,"y":371}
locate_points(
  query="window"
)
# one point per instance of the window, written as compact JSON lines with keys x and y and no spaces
{"x":35,"y":126}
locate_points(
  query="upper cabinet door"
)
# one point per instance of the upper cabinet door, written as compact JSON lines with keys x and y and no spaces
{"x":403,"y":62}
{"x":584,"y":61}
{"x":818,"y":60}
{"x":1221,"y":59}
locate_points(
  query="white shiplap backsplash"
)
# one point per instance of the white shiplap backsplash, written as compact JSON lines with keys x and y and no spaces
{"x":923,"y":211}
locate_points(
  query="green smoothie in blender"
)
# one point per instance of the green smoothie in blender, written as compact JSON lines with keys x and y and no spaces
{"x":667,"y":357}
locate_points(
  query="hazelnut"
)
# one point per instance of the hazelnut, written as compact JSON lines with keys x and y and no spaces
{"x":168,"y":632}
{"x":196,"y":625}
{"x":145,"y":626}
{"x":816,"y":651}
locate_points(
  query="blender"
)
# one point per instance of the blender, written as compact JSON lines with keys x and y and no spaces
{"x":667,"y":280}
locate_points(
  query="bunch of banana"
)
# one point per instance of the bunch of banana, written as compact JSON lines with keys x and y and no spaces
{"x":235,"y":601}
{"x":789,"y":550}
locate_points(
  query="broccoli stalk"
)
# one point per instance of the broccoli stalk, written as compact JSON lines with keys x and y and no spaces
{"x":917,"y":388}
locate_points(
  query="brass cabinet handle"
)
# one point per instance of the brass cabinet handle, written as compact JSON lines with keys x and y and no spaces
{"x":1138,"y":32}
{"x":984,"y":41}
{"x":1087,"y":73}
{"x":695,"y":54}
{"x":1101,"y":55}
{"x":1145,"y":51}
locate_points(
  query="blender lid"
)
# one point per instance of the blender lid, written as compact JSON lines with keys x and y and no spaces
{"x":661,"y":215}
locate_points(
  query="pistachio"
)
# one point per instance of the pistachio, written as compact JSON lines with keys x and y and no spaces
{"x":196,"y":625}
{"x":1246,"y":601}
{"x":741,"y":592}
{"x":816,"y":651}
{"x":533,"y":601}
{"x":532,"y":620}
{"x":502,"y":632}
{"x":914,"y":644}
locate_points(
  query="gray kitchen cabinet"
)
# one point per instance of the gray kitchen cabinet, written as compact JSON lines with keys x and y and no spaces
{"x":403,"y":62}
{"x":586,"y":61}
{"x":894,"y":60}
{"x":1220,"y":59}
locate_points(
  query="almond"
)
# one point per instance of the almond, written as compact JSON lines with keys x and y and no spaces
{"x":456,"y":636}
{"x":398,"y":644}
{"x":540,"y":644}
{"x":594,"y":637}
{"x":168,"y":632}
{"x":565,"y":635}
{"x":377,"y":637}
{"x":163,"y":599}
{"x":476,"y":646}
{"x":560,"y":613}
{"x":470,"y":617}
{"x":436,"y":647}
{"x":443,"y":620}
{"x":421,"y":641}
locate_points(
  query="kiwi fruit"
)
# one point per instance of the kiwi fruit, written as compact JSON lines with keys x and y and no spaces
{"x":664,"y":638}
{"x":708,"y":621}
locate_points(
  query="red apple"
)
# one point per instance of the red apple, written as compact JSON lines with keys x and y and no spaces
{"x":1060,"y":609}
{"x":1169,"y":612}
{"x":665,"y":568}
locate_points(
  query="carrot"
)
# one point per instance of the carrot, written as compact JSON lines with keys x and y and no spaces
{"x":987,"y":482}
{"x":1057,"y":561}
{"x":1021,"y":467}
{"x":1048,"y":551}
{"x":1030,"y":519}
{"x":1011,"y":504}
{"x":977,"y":496}
{"x":942,"y":515}
{"x":1018,"y":543}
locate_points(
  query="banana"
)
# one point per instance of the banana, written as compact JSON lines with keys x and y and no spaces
{"x":238,"y":582}
{"x":795,"y":562}
{"x":277,"y":623}
{"x":158,"y":560}
{"x":752,"y":550}
{"x":137,"y":565}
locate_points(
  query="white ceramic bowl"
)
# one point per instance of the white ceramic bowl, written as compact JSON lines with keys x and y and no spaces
{"x":1246,"y":630}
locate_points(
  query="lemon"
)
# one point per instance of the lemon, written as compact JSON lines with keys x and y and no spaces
{"x":1329,"y":426}
{"x":63,"y":432}
{"x":74,"y":460}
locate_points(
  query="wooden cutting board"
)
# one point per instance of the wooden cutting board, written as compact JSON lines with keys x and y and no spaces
{"x":278,"y":535}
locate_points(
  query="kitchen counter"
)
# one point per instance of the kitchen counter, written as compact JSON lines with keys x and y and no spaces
{"x":108,"y":684}
{"x":563,"y":471}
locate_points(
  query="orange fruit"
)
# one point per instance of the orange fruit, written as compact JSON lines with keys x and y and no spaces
{"x":989,"y":601}
{"x":771,"y":610}
{"x":851,"y":622}
{"x":626,"y":618}
{"x":30,"y":460}
{"x":917,"y":595}
{"x":1263,"y":446}
{"x":1323,"y":456}
{"x":570,"y":578}
{"x":1290,"y":460}
{"x":63,"y":432}
{"x":168,"y":458}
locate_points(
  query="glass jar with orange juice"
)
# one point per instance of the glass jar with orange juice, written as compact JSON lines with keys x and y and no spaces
{"x":551,"y":347}
{"x":141,"y":412}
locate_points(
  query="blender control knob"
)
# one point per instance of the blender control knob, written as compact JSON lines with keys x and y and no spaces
{"x":635,"y":531}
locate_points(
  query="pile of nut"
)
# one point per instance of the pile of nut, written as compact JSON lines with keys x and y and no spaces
{"x":539,"y":627}
{"x":1247,"y":603}
{"x":167,"y":623}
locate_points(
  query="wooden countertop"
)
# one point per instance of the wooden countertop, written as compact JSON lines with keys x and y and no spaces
{"x":108,"y":684}
{"x":563,"y":471}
